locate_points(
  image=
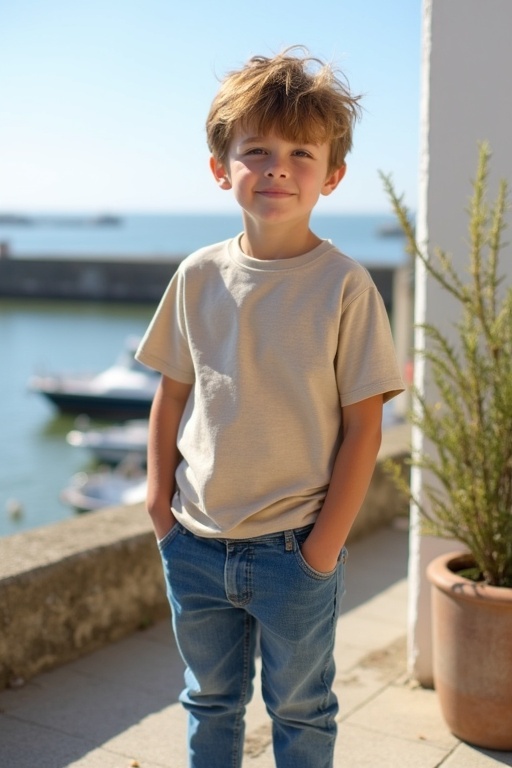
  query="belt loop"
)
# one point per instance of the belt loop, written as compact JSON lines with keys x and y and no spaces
{"x":288,"y":541}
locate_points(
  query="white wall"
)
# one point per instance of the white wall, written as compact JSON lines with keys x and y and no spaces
{"x":466,"y":98}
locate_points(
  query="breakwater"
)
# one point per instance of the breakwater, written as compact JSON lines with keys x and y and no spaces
{"x":85,"y":279}
{"x":130,"y":280}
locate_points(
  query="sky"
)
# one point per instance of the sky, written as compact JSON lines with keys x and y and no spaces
{"x":103,"y":103}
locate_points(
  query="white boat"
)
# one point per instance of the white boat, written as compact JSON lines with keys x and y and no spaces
{"x":123,"y":391}
{"x":113,"y":444}
{"x":88,"y":492}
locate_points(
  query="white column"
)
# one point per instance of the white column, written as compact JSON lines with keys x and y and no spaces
{"x":466,"y":95}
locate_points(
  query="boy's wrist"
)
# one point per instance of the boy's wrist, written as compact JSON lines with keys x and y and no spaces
{"x":163,"y":526}
{"x":162,"y":518}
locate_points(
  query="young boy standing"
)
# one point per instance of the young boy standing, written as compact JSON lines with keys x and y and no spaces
{"x":277,"y":356}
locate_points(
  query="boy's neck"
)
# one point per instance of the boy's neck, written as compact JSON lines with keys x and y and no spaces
{"x":272,"y":243}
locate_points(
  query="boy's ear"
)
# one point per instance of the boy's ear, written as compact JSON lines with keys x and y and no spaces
{"x":220,"y":173}
{"x":333,"y":180}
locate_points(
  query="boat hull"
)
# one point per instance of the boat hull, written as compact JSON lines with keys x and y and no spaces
{"x":100,"y":406}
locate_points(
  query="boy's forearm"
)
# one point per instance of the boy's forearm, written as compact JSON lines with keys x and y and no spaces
{"x":163,"y":454}
{"x":352,"y":473}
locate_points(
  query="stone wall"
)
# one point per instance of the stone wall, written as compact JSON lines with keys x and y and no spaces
{"x":71,"y":587}
{"x":82,"y":279}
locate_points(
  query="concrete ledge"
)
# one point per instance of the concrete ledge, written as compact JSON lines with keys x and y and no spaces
{"x":69,"y":588}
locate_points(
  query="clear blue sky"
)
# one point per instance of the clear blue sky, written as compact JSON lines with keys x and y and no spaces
{"x":103,"y":102}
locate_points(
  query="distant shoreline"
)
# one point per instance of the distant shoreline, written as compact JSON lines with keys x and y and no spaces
{"x":26,"y":220}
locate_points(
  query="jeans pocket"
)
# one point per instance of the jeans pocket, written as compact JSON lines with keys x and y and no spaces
{"x":169,"y":537}
{"x":306,"y":567}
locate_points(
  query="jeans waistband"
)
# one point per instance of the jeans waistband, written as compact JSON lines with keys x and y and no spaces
{"x":287,"y":536}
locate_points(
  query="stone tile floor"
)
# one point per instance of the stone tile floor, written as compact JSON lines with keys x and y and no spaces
{"x":117,"y":708}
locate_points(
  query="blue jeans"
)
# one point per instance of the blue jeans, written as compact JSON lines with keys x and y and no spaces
{"x":224,"y":594}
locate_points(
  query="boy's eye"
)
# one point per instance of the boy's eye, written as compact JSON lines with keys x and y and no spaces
{"x":261,"y":151}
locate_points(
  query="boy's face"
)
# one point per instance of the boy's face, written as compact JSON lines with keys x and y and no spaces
{"x":273,"y":179}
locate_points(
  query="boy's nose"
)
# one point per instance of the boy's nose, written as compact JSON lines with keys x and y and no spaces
{"x":276,"y":166}
{"x":276,"y":170}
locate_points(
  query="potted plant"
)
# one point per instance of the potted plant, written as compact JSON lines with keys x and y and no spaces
{"x":466,"y":459}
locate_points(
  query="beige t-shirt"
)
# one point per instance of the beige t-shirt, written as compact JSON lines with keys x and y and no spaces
{"x":274,"y":349}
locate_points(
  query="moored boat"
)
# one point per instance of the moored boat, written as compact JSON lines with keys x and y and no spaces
{"x":87,"y":492}
{"x":115,"y":443}
{"x":125,"y":390}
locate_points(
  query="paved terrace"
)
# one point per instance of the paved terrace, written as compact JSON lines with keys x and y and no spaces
{"x":72,"y":597}
{"x":117,"y":708}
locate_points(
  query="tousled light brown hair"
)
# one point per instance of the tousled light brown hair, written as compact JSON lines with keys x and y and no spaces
{"x":299,"y":97}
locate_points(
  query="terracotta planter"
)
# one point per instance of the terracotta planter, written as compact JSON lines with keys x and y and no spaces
{"x":472,"y":649}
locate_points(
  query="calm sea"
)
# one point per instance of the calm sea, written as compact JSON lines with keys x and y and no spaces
{"x":35,"y":460}
{"x":168,"y":235}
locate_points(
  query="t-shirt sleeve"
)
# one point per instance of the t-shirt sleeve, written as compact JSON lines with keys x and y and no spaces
{"x":165,"y":346}
{"x":366,"y":363}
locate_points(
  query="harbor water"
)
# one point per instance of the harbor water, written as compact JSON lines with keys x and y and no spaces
{"x":35,"y":460}
{"x":36,"y":337}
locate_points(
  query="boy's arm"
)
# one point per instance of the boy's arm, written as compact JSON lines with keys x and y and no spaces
{"x":353,"y":469}
{"x":163,"y":455}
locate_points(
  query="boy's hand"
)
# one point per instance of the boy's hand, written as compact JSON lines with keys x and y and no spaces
{"x":317,"y":557}
{"x":162,"y":522}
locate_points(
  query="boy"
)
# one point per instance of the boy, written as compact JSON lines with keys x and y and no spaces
{"x":276,"y":357}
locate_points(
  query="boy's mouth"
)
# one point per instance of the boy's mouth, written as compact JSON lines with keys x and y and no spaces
{"x":274,"y":192}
